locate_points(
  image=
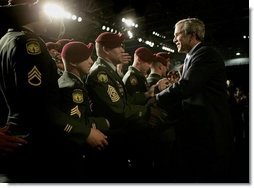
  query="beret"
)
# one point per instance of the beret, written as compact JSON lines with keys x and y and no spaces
{"x":15,"y":2}
{"x":51,"y":45}
{"x":60,"y":43}
{"x":76,"y":52}
{"x":145,"y":54}
{"x":163,"y":54}
{"x":161,"y":59}
{"x":110,"y":40}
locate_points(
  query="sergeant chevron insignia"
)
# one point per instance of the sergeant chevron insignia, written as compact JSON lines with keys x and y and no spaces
{"x":76,"y":111}
{"x":34,"y":77}
{"x":33,"y":47}
{"x":67,"y":128}
{"x":77,"y":96}
{"x":113,"y":94}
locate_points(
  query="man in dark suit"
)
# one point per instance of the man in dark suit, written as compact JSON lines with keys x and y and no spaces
{"x":203,"y":131}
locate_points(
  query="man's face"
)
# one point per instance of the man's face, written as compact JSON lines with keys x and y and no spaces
{"x":116,"y":55}
{"x":181,"y":40}
{"x":85,"y":66}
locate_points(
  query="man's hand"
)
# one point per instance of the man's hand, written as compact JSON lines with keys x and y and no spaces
{"x":163,"y":84}
{"x":97,"y":139}
{"x":125,"y":58}
{"x":9,"y":143}
{"x":150,"y":92}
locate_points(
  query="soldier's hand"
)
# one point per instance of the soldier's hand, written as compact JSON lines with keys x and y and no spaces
{"x":97,"y":139}
{"x":125,"y":58}
{"x":9,"y":143}
{"x":150,"y":92}
{"x":157,"y":116}
{"x":163,"y":84}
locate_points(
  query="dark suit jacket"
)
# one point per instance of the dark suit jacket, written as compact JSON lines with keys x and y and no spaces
{"x":204,"y":127}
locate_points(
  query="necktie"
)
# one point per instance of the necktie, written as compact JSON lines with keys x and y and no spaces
{"x":185,"y":65}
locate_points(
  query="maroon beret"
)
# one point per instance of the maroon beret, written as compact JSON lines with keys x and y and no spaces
{"x":161,"y":59}
{"x":51,"y":45}
{"x":76,"y":52}
{"x":145,"y":54}
{"x":164,"y":54}
{"x":110,"y":40}
{"x":16,"y":2}
{"x":60,"y":43}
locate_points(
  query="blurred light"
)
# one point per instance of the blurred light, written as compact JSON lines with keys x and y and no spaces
{"x":79,"y":19}
{"x":238,"y":53}
{"x":54,"y":10}
{"x":74,"y":17}
{"x":140,"y":39}
{"x":244,"y":36}
{"x":130,"y":34}
{"x":112,"y":30}
{"x":108,"y":29}
{"x":103,"y":27}
{"x":167,"y":49}
{"x":67,"y":15}
{"x":129,"y":22}
{"x":149,"y":43}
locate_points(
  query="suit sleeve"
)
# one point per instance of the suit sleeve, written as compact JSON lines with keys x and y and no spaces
{"x":203,"y":70}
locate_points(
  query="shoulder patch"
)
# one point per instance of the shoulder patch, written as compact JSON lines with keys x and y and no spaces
{"x":102,"y":77}
{"x":33,"y":47}
{"x":133,"y":80}
{"x":77,"y":96}
{"x":112,"y":93}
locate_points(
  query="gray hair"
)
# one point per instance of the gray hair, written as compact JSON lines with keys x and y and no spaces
{"x":193,"y":25}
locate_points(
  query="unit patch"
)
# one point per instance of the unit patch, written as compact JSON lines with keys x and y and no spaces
{"x":102,"y":77}
{"x":77,"y":96}
{"x":34,"y":77}
{"x":113,"y":94}
{"x":33,"y":47}
{"x":133,"y":80}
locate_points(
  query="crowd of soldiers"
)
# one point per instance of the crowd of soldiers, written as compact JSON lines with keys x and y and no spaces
{"x":75,"y":120}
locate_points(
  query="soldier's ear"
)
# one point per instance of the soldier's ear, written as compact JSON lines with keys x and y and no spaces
{"x":105,"y":49}
{"x":73,"y":64}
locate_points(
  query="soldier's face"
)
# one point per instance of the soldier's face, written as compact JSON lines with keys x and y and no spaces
{"x":116,"y":55}
{"x":85,"y":66}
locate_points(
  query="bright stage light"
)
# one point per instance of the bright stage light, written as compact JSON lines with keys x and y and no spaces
{"x":54,"y":10}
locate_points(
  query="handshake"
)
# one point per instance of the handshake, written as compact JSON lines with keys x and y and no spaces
{"x":157,"y":116}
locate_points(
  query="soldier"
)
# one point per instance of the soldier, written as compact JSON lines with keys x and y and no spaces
{"x":74,"y":101}
{"x":110,"y":100}
{"x":158,"y":70}
{"x":27,"y":82}
{"x":135,"y":80}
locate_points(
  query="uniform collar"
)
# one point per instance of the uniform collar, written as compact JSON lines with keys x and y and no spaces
{"x":111,"y":65}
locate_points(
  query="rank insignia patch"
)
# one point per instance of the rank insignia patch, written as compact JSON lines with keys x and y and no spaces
{"x":102,"y":77}
{"x":75,"y":111}
{"x":113,"y":94}
{"x":33,"y":47}
{"x":77,"y":96}
{"x":133,"y":80}
{"x":34,"y":77}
